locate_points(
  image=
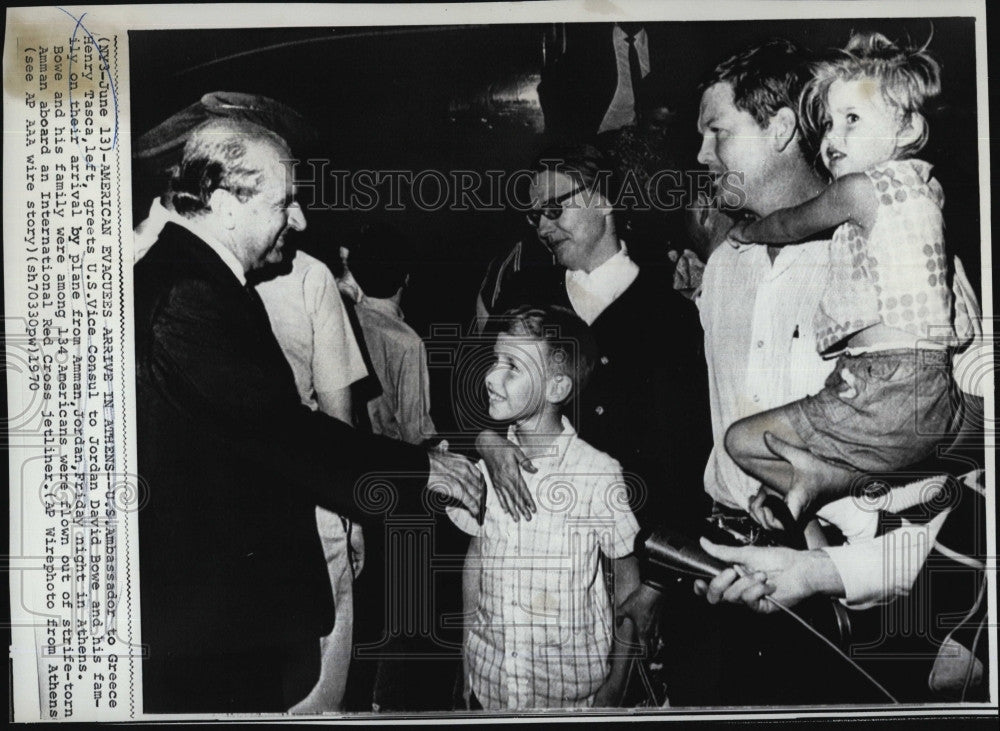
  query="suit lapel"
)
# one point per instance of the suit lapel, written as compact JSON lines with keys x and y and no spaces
{"x":190,"y":250}
{"x":189,"y":253}
{"x":607,"y":80}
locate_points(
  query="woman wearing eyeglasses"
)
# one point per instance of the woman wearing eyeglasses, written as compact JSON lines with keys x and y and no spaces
{"x":646,"y":403}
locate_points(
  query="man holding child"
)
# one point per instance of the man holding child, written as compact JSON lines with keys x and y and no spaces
{"x":757,"y":305}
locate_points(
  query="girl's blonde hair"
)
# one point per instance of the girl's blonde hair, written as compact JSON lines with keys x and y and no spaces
{"x":908,"y":78}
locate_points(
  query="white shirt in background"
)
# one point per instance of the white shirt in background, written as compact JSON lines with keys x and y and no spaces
{"x":591,"y":293}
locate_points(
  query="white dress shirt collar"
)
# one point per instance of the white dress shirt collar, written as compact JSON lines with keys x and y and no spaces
{"x":641,"y":40}
{"x":148,"y":231}
{"x":591,"y":294}
{"x":223,"y":252}
{"x":382,"y":304}
{"x":559,"y":447}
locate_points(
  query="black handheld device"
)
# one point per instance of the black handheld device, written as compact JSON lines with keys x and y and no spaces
{"x":663,"y":552}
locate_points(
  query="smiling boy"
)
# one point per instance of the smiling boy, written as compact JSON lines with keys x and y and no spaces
{"x":541,"y":635}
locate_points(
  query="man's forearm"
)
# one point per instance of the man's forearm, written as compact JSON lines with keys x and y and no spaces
{"x":883,"y":568}
{"x":820,"y":575}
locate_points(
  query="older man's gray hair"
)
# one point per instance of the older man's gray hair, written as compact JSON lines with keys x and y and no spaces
{"x":217,"y":155}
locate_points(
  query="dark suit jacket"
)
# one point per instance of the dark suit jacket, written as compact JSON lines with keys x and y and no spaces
{"x":577,"y":88}
{"x":647,"y":401}
{"x":233,"y":466}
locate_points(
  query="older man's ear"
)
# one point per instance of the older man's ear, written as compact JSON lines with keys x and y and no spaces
{"x":225,"y":206}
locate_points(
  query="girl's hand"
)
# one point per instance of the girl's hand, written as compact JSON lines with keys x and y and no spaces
{"x":688,"y":272}
{"x":737,"y":234}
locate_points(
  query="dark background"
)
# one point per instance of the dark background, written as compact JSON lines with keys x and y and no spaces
{"x":449,"y":98}
{"x":463,"y":97}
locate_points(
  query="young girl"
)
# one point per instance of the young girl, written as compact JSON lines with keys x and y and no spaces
{"x":887,"y":308}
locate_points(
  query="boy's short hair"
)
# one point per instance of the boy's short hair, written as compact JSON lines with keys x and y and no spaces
{"x":571,"y":345}
{"x":380,"y":260}
{"x":766,"y":78}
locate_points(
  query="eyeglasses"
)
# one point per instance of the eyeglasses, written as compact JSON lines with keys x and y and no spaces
{"x":551,"y":208}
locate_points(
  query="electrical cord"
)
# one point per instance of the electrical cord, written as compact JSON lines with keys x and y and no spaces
{"x":975,"y":639}
{"x":836,"y":649}
{"x":831,"y":645}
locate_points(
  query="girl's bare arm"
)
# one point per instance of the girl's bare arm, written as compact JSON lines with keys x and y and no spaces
{"x":850,"y":198}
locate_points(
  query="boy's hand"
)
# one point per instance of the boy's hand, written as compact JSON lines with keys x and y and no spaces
{"x":504,"y":461}
{"x":763,"y":514}
{"x":612,"y":690}
{"x":610,"y":694}
{"x":642,"y":609}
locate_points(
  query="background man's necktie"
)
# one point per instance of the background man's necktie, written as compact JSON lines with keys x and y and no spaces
{"x":635,"y":72}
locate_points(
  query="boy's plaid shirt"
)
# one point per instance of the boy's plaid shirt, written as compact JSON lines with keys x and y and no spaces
{"x":542,"y":632}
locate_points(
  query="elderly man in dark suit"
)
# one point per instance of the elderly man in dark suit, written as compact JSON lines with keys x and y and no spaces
{"x":234,"y":586}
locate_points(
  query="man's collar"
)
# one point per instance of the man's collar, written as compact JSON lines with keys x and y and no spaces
{"x":591,"y":294}
{"x":385,"y":306}
{"x":618,"y":258}
{"x":740,"y":247}
{"x":221,"y":250}
{"x":561,"y":445}
{"x":619,"y":35}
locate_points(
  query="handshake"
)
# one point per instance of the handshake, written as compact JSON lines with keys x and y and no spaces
{"x":456,"y":477}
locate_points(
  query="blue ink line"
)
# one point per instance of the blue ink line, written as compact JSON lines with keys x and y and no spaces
{"x":69,"y":77}
{"x":107,"y":69}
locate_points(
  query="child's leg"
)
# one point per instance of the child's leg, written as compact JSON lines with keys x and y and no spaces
{"x":745,"y":444}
